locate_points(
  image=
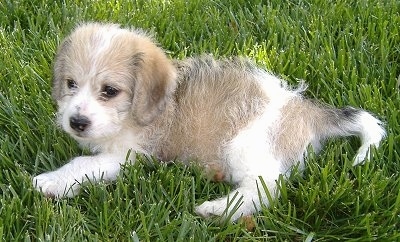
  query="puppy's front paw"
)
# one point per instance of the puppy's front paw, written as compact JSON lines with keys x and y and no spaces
{"x":53,"y":184}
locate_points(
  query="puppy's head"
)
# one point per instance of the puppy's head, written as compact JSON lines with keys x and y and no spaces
{"x":106,"y":77}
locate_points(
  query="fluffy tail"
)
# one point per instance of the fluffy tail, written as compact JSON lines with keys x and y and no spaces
{"x":371,"y":133}
{"x":349,"y":121}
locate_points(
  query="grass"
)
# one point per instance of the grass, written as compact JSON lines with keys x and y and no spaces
{"x":348,"y":53}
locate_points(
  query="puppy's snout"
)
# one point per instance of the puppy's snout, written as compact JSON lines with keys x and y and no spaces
{"x":79,"y":123}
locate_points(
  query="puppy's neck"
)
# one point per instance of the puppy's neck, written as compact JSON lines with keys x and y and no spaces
{"x":153,"y":138}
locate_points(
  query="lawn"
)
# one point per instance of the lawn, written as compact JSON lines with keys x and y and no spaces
{"x":348,"y":52}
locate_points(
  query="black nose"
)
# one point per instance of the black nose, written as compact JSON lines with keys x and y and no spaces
{"x":79,"y":123}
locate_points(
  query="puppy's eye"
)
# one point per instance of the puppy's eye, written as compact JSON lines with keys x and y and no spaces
{"x":109,"y":91}
{"x":71,"y":84}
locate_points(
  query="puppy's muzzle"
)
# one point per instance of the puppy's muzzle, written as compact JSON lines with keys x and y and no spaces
{"x":79,"y":123}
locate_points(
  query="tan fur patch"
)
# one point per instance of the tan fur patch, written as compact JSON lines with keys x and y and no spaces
{"x":210,"y":110}
{"x":294,"y":132}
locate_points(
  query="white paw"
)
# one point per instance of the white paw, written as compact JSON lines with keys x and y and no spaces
{"x":54,"y":184}
{"x":209,"y":209}
{"x":222,"y":208}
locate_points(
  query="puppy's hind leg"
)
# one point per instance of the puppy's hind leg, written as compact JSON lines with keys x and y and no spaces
{"x":245,"y":200}
{"x":249,"y":165}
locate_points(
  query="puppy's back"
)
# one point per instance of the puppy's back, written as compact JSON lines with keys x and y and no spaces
{"x":215,"y":99}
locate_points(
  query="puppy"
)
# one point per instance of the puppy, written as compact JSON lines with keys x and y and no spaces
{"x":116,"y":91}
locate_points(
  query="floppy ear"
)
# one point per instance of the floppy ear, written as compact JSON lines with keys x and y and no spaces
{"x":155,"y":83}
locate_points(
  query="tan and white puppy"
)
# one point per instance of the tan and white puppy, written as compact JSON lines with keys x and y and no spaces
{"x":116,"y":90}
